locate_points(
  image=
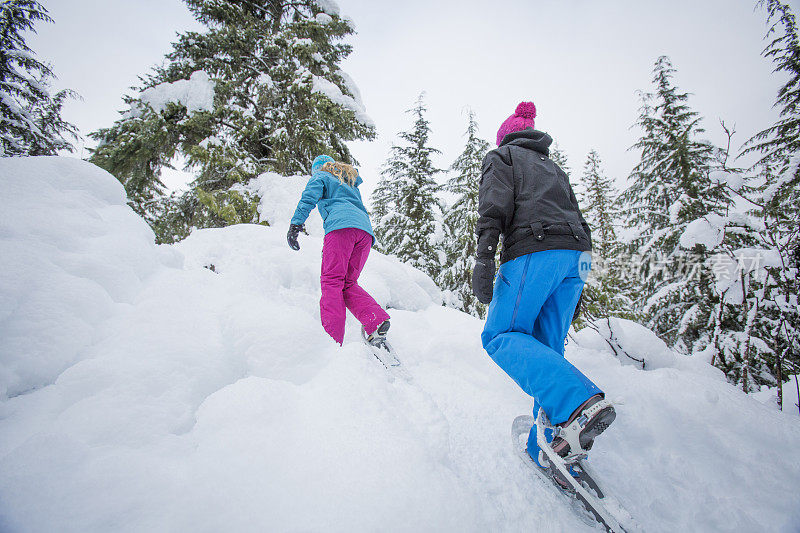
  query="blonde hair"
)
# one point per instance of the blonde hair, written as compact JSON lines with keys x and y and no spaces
{"x":346,"y":173}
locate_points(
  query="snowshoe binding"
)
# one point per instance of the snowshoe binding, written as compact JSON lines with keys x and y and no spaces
{"x":378,"y":337}
{"x":381,"y":349}
{"x":575,"y":437}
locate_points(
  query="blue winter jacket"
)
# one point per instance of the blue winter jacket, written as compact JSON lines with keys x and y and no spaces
{"x":339,"y":204}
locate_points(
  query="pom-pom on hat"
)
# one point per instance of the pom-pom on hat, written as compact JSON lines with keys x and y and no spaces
{"x":522,"y":118}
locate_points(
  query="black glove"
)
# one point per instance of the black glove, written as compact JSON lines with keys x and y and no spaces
{"x":291,"y":237}
{"x":483,"y":278}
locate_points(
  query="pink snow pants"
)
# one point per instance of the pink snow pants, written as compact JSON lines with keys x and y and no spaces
{"x":344,"y":253}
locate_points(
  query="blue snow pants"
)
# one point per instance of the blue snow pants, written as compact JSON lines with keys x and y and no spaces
{"x":528,"y":319}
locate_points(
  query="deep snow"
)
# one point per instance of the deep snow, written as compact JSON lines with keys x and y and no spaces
{"x":142,"y":391}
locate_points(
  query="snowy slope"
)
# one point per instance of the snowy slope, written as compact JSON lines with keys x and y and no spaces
{"x":142,"y":391}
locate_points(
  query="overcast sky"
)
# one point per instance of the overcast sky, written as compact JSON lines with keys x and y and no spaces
{"x":580,"y":61}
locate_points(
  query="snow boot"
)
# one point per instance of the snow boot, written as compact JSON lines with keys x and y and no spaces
{"x":377,"y":337}
{"x":576,"y":436}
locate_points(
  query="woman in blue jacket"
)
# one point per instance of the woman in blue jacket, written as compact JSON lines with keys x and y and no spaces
{"x":333,"y":189}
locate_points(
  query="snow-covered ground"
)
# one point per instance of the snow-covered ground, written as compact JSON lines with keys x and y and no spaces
{"x":142,"y":390}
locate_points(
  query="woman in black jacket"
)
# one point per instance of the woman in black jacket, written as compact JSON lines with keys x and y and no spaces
{"x":527,"y":199}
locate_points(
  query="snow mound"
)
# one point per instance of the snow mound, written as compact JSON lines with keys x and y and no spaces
{"x":269,"y":269}
{"x":73,"y":252}
{"x":392,"y":284}
{"x":190,"y":387}
{"x":632,"y":343}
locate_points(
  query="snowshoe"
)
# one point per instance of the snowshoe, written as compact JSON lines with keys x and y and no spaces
{"x":573,"y":480}
{"x":381,"y":349}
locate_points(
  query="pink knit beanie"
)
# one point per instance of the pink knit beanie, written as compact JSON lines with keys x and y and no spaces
{"x":521,"y":119}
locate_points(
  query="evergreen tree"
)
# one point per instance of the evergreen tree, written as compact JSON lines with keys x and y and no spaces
{"x":559,"y":157}
{"x":30,"y":117}
{"x":778,"y":143}
{"x":384,"y":199}
{"x":279,"y":100}
{"x":460,"y":219}
{"x":776,"y":229}
{"x":605,"y":294}
{"x":738,"y":300}
{"x":406,"y":198}
{"x":670,"y":187}
{"x":598,"y":197}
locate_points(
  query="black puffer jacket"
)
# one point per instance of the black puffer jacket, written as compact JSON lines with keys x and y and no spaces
{"x":527,"y":198}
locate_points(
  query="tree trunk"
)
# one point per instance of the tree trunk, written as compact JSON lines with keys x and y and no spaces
{"x":718,"y":328}
{"x":780,"y":382}
{"x":797,"y":387}
{"x":746,"y":334}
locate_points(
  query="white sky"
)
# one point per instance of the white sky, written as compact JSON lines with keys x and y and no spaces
{"x":580,"y":61}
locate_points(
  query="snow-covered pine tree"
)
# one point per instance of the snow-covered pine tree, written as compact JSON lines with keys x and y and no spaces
{"x":383,"y":201}
{"x":30,"y":117}
{"x":605,"y":294}
{"x":670,"y":187}
{"x":597,"y":201}
{"x":459,"y":221}
{"x":260,"y":90}
{"x":559,"y":157}
{"x":406,"y":204}
{"x":737,"y":285}
{"x":740,"y":347}
{"x":776,"y":200}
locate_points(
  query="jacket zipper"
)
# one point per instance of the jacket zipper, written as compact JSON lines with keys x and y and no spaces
{"x":521,"y":287}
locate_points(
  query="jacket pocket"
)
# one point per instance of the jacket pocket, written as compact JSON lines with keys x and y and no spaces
{"x":521,"y":288}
